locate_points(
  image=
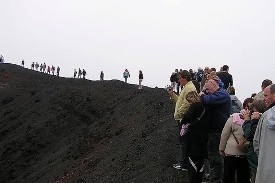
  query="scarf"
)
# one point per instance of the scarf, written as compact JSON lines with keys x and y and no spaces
{"x":237,"y":119}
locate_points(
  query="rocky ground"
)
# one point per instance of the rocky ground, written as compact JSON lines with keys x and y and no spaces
{"x":74,"y":130}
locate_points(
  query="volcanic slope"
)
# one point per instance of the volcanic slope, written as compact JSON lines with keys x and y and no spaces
{"x":55,"y":129}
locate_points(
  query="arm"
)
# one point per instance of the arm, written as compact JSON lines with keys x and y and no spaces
{"x":257,"y":136}
{"x":173,"y":96}
{"x":226,"y":132}
{"x":216,"y":98}
{"x":189,"y":115}
{"x":231,"y":81}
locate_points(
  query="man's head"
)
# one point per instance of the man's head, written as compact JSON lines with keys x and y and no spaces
{"x":211,"y":86}
{"x":207,"y":70}
{"x":184,"y":77}
{"x":269,"y":95}
{"x":225,"y":68}
{"x":266,"y":83}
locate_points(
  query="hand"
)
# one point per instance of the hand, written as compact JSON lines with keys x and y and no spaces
{"x":201,"y":93}
{"x":222,"y":153}
{"x":246,"y":114}
{"x":170,"y":92}
{"x":255,"y":115}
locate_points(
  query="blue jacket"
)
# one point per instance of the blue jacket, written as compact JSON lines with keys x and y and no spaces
{"x":219,"y":104}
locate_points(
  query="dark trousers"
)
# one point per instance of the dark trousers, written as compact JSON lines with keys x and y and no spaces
{"x":183,"y":146}
{"x":195,"y":169}
{"x":239,"y":165}
{"x":215,"y":159}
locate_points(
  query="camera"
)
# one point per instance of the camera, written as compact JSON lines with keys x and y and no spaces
{"x":169,"y":88}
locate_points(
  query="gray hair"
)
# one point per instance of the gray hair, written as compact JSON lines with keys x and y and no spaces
{"x":272,"y":88}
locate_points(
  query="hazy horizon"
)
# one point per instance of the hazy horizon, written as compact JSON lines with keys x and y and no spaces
{"x":153,"y":36}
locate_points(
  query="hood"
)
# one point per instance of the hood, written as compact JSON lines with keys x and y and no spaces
{"x":233,"y":97}
{"x":237,"y":119}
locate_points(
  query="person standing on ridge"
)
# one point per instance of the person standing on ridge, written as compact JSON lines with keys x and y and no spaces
{"x":101,"y":76}
{"x":140,"y":78}
{"x":75,"y":73}
{"x":23,"y":63}
{"x":84,"y":73}
{"x":219,"y":102}
{"x":57,"y":71}
{"x":126,"y":75}
{"x":53,"y":69}
{"x":79,"y":73}
{"x":181,"y":107}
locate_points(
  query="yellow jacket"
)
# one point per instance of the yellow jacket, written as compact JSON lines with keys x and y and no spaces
{"x":182,"y":104}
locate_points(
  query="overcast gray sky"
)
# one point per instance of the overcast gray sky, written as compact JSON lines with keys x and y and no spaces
{"x":155,"y":36}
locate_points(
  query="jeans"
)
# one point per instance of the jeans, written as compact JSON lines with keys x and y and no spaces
{"x":215,"y":159}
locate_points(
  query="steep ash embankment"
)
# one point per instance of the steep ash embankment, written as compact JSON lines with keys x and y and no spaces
{"x":75,"y":130}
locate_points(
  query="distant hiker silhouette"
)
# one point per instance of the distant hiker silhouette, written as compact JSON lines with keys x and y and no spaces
{"x":1,"y":59}
{"x":23,"y":63}
{"x":140,"y":77}
{"x":32,"y":66}
{"x":126,"y":74}
{"x":84,"y":73}
{"x":53,"y":69}
{"x":49,"y":70}
{"x":75,"y":72}
{"x":101,"y":76}
{"x":44,"y":67}
{"x":41,"y":67}
{"x":57,"y":71}
{"x":79,"y":73}
{"x":36,"y":66}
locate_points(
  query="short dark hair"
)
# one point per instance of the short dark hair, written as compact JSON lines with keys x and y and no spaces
{"x":225,"y":67}
{"x":266,"y":83}
{"x":186,"y":75}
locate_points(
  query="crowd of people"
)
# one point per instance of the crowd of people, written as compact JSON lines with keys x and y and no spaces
{"x":43,"y":68}
{"x":237,"y":139}
{"x":80,"y":74}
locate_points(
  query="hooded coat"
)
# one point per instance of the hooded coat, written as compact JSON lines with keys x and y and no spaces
{"x":264,"y":146}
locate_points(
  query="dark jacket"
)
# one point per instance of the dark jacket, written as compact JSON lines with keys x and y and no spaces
{"x":226,"y":78}
{"x":174,"y":77}
{"x":140,"y":76}
{"x":198,"y":132}
{"x":249,"y":129}
{"x":219,"y":104}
